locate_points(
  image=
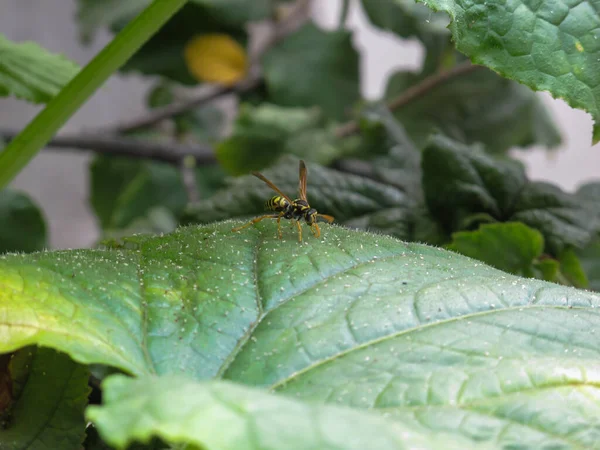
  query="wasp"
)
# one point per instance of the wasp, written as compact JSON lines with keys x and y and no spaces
{"x":287,"y":208}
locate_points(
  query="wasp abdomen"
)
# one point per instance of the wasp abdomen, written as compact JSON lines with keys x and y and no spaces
{"x":277,"y":203}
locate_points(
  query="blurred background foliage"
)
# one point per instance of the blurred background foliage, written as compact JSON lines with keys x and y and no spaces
{"x":428,"y":161}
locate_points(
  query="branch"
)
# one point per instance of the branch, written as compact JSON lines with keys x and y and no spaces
{"x":412,"y":93}
{"x":168,"y":152}
{"x":298,"y":15}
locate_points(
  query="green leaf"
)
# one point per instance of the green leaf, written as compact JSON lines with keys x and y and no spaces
{"x":313,"y":67}
{"x":461,"y":181}
{"x":48,"y":412}
{"x":22,"y":224}
{"x":123,"y":190}
{"x":590,"y":193}
{"x":589,"y":258}
{"x":477,"y":106}
{"x":407,"y":19}
{"x":512,"y":246}
{"x":549,"y":46}
{"x":432,"y":338}
{"x":344,"y":196}
{"x":221,"y":415}
{"x":263,"y":133}
{"x":162,"y":54}
{"x":95,"y":14}
{"x":571,"y":268}
{"x":31,"y":73}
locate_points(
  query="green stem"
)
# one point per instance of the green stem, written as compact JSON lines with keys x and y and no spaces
{"x":343,"y":14}
{"x":41,"y":129}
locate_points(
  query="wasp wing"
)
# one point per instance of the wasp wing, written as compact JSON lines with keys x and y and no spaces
{"x":302,"y":180}
{"x":271,"y":185}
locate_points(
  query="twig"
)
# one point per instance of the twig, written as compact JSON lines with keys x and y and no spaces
{"x":413,"y":93}
{"x":188,"y":175}
{"x":344,"y":9}
{"x":288,"y":25}
{"x":160,"y":151}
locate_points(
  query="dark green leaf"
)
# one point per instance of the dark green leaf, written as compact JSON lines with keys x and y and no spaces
{"x":263,"y":133}
{"x":344,"y":196}
{"x":313,"y":67}
{"x":48,"y":413}
{"x":512,"y":246}
{"x":243,"y":153}
{"x":547,"y":45}
{"x":163,"y":53}
{"x":30,"y":72}
{"x":571,"y":269}
{"x":432,"y":339}
{"x":226,"y":416}
{"x":407,"y":18}
{"x":589,"y":257}
{"x":22,"y":225}
{"x":561,"y":217}
{"x":478,"y":106}
{"x":590,"y":194}
{"x":123,"y":190}
{"x":461,"y":181}
{"x":239,"y":12}
{"x":95,"y":14}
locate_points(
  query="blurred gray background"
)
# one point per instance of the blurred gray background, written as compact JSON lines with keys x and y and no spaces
{"x":59,"y":181}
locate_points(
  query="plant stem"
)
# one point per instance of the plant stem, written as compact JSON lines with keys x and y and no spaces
{"x":345,"y":8}
{"x":412,"y":93}
{"x":41,"y":129}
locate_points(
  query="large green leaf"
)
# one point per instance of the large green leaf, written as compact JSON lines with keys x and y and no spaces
{"x":48,"y":411}
{"x":22,"y":225}
{"x":435,"y":339}
{"x":462,"y":183}
{"x":477,"y":106}
{"x":547,"y":45}
{"x":123,"y":190}
{"x":314,"y":67}
{"x":31,"y":73}
{"x":221,"y":415}
{"x":346,"y":197}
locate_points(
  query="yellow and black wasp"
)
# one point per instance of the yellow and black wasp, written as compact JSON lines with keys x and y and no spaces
{"x":287,"y":208}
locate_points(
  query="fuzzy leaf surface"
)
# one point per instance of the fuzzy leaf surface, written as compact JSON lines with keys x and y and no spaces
{"x":435,"y":339}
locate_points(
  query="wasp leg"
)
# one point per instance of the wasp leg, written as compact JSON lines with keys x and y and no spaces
{"x":316,"y":230}
{"x":299,"y":230}
{"x":258,"y":219}
{"x":279,"y":233}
